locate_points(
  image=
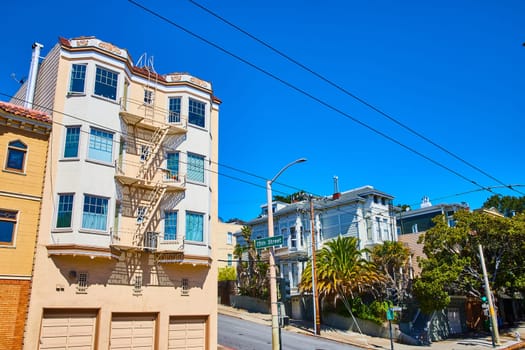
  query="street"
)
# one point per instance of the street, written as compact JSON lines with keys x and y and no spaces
{"x":241,"y":334}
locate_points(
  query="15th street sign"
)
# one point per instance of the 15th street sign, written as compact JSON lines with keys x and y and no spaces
{"x":268,"y":242}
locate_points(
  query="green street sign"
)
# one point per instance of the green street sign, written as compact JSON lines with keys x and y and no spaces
{"x":268,"y":242}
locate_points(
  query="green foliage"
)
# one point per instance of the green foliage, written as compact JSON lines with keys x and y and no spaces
{"x":452,"y":266}
{"x":251,"y":271}
{"x":506,"y":204}
{"x":297,"y":196}
{"x":227,"y":273}
{"x":392,"y":259}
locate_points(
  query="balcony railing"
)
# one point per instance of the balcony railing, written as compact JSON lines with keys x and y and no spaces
{"x":150,"y":116}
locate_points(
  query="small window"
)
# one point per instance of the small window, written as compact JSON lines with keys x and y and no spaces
{"x":229,"y":238}
{"x":72,"y":141}
{"x":100,"y":145}
{"x":82,"y":282}
{"x":293,"y":237}
{"x":78,"y":79}
{"x":95,"y":213}
{"x":7,"y":226}
{"x":170,"y":225}
{"x":230,"y":259}
{"x":195,"y":168}
{"x":194,"y":227}
{"x":141,"y":213}
{"x":185,"y":287}
{"x":65,"y":210}
{"x":106,"y":83}
{"x":144,"y":153}
{"x":414,"y":228}
{"x":148,"y":97}
{"x":196,"y":113}
{"x":174,"y":110}
{"x":137,"y":283}
{"x":16,"y":156}
{"x":172,"y":165}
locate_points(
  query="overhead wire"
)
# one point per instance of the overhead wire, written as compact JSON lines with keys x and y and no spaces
{"x":352,"y":95}
{"x":309,"y":95}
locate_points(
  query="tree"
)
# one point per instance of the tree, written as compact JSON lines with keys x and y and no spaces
{"x":251,"y":271}
{"x":342,"y":272}
{"x":290,"y":198}
{"x":452,"y":265}
{"x":507,"y":205}
{"x":392,"y":259}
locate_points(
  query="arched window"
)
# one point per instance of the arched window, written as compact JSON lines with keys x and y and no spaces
{"x":16,"y":156}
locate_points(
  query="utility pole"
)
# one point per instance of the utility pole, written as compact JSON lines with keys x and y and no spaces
{"x":315,"y":296}
{"x":493,"y":318}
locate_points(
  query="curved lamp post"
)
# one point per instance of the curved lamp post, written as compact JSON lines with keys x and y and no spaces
{"x":276,"y":344}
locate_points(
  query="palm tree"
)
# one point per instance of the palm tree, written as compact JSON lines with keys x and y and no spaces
{"x":342,"y":272}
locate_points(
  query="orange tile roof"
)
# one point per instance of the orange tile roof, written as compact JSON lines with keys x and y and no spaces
{"x":25,"y":112}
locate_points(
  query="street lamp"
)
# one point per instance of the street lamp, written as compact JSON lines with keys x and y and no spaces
{"x":276,"y":344}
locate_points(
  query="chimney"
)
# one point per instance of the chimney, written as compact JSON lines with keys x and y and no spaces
{"x":31,"y":79}
{"x":336,"y":194}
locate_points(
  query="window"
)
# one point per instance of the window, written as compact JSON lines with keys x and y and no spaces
{"x":195,"y":168}
{"x":229,"y":238}
{"x":65,"y":210}
{"x":195,"y":227}
{"x":185,"y":287}
{"x":78,"y":78}
{"x":170,"y":225}
{"x":174,"y":110}
{"x":82,"y":282}
{"x":172,"y":164}
{"x":196,"y":113}
{"x":230,"y":259}
{"x":95,"y":213}
{"x":106,"y":83}
{"x":100,"y":145}
{"x":137,"y":283}
{"x":293,"y":237}
{"x":148,"y":97}
{"x":144,"y":153}
{"x":16,"y":155}
{"x":414,"y":228}
{"x":141,"y":213}
{"x":72,"y":140}
{"x":7,"y":226}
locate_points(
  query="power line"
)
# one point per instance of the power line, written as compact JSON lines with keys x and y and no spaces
{"x":309,"y":95}
{"x":348,"y":93}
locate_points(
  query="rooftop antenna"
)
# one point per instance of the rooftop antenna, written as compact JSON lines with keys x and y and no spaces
{"x":336,"y":194}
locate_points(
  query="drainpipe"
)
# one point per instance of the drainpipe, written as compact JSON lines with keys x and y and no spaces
{"x":33,"y":70}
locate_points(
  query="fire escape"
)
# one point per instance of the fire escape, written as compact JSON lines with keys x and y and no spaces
{"x":148,"y":183}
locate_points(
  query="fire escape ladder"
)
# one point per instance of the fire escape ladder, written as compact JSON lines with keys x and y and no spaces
{"x":154,"y":146}
{"x":151,"y":207}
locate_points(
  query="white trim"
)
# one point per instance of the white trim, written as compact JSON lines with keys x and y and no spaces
{"x":21,"y":196}
{"x":15,"y":277}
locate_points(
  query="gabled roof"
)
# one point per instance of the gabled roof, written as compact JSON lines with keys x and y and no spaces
{"x":25,"y":112}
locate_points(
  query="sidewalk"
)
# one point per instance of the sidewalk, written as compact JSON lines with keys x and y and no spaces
{"x":508,"y":341}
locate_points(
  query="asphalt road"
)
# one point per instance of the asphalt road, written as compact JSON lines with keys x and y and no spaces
{"x":240,"y":334}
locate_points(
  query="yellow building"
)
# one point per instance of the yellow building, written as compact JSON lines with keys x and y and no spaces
{"x":125,"y":256}
{"x":225,"y":242}
{"x":24,"y":137}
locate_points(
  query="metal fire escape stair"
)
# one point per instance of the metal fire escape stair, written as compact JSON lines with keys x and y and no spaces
{"x":151,"y":207}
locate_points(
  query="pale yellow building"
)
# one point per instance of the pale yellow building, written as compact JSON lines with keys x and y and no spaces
{"x":225,"y":243}
{"x":125,"y":256}
{"x":24,"y":135}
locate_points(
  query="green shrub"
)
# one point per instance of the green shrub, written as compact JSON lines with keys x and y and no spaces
{"x":227,"y":273}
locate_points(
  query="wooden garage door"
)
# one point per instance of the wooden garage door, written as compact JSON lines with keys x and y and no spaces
{"x":187,"y":334}
{"x":133,"y":332}
{"x":68,"y":330}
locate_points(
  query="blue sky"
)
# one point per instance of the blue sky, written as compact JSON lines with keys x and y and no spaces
{"x":454,"y":71}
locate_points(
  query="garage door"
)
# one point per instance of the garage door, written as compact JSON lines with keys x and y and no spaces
{"x":136,"y":332}
{"x":187,"y":334}
{"x":68,"y":330}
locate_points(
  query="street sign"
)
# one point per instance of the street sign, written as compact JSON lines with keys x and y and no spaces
{"x":268,"y":242}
